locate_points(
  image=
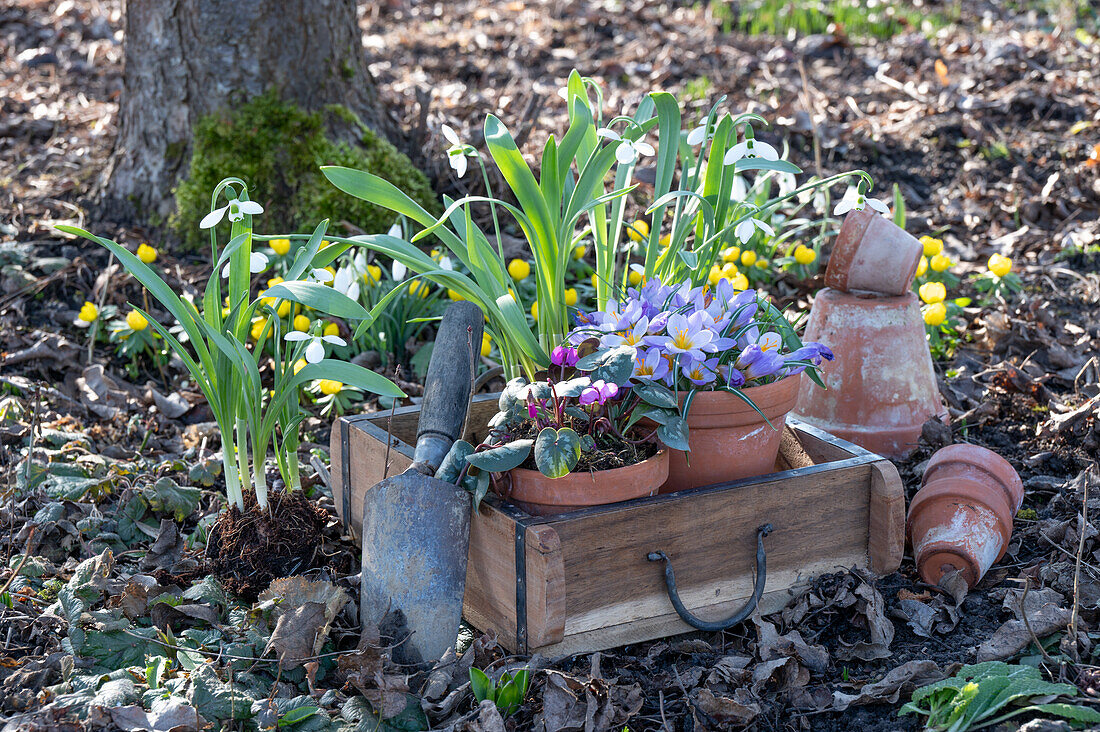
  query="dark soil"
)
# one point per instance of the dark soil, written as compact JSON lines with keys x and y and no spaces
{"x":249,"y":549}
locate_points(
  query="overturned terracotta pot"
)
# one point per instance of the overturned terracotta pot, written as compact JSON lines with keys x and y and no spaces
{"x":728,"y":439}
{"x":541,"y":496}
{"x":873,"y":254}
{"x":881,"y":387}
{"x":961,"y":518}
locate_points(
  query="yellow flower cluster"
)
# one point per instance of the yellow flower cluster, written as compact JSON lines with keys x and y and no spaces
{"x":88,"y":312}
{"x":136,"y":320}
{"x":147,"y":253}
{"x":999,"y":265}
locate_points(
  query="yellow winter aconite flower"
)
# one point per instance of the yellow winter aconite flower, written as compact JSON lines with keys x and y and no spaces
{"x":136,"y":320}
{"x":932,"y":292}
{"x":486,"y":345}
{"x":274,"y":281}
{"x":331,"y":329}
{"x":284,"y":308}
{"x":299,"y":365}
{"x":519,"y":269}
{"x":922,"y":266}
{"x":570,"y":297}
{"x":729,"y":271}
{"x":535,"y":310}
{"x":88,"y":312}
{"x":635,"y":277}
{"x":301,"y":323}
{"x":419,"y":288}
{"x":962,"y":302}
{"x":258,"y":325}
{"x":935,"y":314}
{"x":595,"y":282}
{"x":665,"y":241}
{"x":280,"y":246}
{"x":731,"y":254}
{"x":147,"y":253}
{"x":373,"y":275}
{"x":932,"y":247}
{"x":999,"y":265}
{"x":638,"y":230}
{"x":740,"y":282}
{"x":748,"y":258}
{"x":714,"y":276}
{"x":804,"y":254}
{"x":330,"y":386}
{"x":761,"y":264}
{"x":324,"y":244}
{"x":940,"y":263}
{"x":455,"y":295}
{"x":578,"y":251}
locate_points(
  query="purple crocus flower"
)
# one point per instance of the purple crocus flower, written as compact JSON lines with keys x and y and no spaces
{"x":756,"y":363}
{"x":734,"y":378}
{"x":650,"y":364}
{"x":686,"y":335}
{"x":812,"y":352}
{"x":700,"y":372}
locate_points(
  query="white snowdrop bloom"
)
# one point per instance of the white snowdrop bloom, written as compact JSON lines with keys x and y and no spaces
{"x":395,"y":230}
{"x":257,"y":262}
{"x":748,"y":227}
{"x":740,"y":190}
{"x":347,"y":282}
{"x":445,"y":263}
{"x":627,"y":151}
{"x":320,"y":275}
{"x":854,"y":200}
{"x":399,"y":271}
{"x":698,"y":135}
{"x":315,"y":351}
{"x":237,"y":210}
{"x":456,"y":153}
{"x":750,"y":148}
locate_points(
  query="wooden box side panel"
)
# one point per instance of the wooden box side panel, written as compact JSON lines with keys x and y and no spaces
{"x":820,"y":522}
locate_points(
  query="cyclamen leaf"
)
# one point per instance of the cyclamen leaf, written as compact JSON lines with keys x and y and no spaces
{"x":657,"y":395}
{"x":452,"y":464}
{"x":557,"y":451}
{"x":503,"y":458}
{"x":615,"y":365}
{"x":674,"y":434}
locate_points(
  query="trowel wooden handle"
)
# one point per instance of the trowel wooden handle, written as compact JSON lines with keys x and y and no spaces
{"x":448,"y":384}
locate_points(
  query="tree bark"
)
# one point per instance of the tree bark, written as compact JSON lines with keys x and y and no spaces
{"x":187,"y":58}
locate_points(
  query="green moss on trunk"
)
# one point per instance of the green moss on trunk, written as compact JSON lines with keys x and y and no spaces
{"x":277,"y":148}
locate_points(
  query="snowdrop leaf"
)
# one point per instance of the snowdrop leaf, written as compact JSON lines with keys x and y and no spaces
{"x":783,"y":166}
{"x":319,"y":297}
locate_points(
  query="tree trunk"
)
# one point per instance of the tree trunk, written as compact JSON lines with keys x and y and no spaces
{"x":188,"y":58}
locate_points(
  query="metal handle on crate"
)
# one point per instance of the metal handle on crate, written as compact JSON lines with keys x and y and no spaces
{"x":746,"y":611}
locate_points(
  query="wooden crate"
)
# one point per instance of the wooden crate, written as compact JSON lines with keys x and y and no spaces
{"x":581,"y":581}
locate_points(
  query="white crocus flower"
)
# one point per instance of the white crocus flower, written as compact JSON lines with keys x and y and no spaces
{"x":237,"y":210}
{"x":257,"y":262}
{"x":748,"y":227}
{"x":854,"y":200}
{"x":347,"y":282}
{"x":456,"y":153}
{"x":315,"y":351}
{"x":628,"y":150}
{"x":750,"y":148}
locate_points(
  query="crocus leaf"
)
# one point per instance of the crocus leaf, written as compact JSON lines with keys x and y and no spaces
{"x":503,"y":458}
{"x":557,"y":451}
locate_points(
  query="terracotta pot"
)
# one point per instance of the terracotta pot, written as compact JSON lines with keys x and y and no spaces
{"x":729,"y":440}
{"x":873,"y":254}
{"x":881,"y":388}
{"x":961,"y":518}
{"x":541,"y":496}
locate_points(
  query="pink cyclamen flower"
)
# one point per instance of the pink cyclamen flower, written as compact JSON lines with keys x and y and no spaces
{"x":564,"y":356}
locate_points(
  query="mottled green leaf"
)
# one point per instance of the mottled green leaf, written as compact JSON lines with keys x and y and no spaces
{"x":503,"y":458}
{"x":557,"y":451}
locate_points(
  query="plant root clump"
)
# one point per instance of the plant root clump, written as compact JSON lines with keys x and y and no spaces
{"x":248,"y":549}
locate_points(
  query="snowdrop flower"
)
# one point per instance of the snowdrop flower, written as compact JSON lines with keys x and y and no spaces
{"x":399,"y":271}
{"x":315,"y":351}
{"x":257,"y":262}
{"x":698,"y":135}
{"x":456,"y":153}
{"x":347,"y":282}
{"x":745,"y":230}
{"x":750,"y":148}
{"x":855,"y":199}
{"x":627,"y":151}
{"x":740,"y":190}
{"x":321,"y":275}
{"x":395,"y":230}
{"x":237,"y":210}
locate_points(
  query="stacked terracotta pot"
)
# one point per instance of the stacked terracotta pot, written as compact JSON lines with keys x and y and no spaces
{"x":881,"y":388}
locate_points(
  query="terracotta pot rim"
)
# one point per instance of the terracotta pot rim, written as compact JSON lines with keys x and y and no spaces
{"x":773,"y":399}
{"x":975,"y":457}
{"x":583,"y":488}
{"x":845,"y":246}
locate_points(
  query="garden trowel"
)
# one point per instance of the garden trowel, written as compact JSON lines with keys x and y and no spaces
{"x":416,"y":529}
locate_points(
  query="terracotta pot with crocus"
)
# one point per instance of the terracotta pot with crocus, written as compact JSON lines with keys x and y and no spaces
{"x":726,"y":363}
